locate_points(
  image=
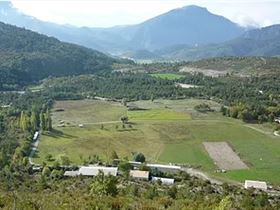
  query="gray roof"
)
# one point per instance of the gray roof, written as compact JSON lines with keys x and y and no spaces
{"x":71,"y":173}
{"x":163,"y":180}
{"x":94,"y":170}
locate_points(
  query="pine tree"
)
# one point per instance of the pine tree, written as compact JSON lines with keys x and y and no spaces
{"x":48,"y":120}
{"x":35,"y":118}
{"x":23,"y":121}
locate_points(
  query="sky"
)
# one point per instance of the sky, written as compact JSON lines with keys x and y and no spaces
{"x":107,"y":13}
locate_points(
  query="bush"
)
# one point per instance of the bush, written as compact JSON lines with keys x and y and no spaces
{"x":139,"y":157}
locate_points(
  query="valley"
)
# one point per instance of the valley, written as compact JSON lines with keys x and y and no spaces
{"x":179,"y":110}
{"x":165,"y":131}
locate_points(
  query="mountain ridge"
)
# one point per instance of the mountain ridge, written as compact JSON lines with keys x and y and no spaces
{"x":143,"y":36}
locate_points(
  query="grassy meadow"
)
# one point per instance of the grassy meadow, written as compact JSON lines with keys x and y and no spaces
{"x":168,"y":76}
{"x":166,"y":131}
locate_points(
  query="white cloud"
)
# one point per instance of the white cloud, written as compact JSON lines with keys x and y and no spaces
{"x":104,"y":13}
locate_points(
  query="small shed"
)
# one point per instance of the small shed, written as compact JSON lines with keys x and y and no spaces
{"x":255,"y":184}
{"x":167,"y":181}
{"x":142,"y":175}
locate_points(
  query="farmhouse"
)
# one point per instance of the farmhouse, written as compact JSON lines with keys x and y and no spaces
{"x":255,"y":184}
{"x":141,"y":175}
{"x":166,"y":181}
{"x":93,"y":171}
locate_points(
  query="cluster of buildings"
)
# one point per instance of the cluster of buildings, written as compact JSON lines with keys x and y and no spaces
{"x":135,"y":174}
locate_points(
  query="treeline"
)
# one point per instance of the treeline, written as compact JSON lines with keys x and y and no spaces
{"x":130,"y":86}
{"x":252,"y":99}
{"x":23,"y":115}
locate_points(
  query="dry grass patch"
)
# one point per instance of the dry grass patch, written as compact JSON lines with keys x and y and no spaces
{"x":224,"y":156}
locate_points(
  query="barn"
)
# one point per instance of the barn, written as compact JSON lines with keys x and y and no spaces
{"x":255,"y":184}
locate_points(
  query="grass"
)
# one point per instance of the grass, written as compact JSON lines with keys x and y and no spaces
{"x":87,"y":112}
{"x":169,"y":76}
{"x":168,"y":131}
{"x":158,"y":114}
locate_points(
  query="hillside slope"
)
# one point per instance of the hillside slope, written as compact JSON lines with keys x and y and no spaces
{"x":26,"y":56}
{"x":258,"y":42}
{"x":237,"y":65}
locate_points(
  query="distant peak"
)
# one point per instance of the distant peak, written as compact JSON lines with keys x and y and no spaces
{"x":194,"y":8}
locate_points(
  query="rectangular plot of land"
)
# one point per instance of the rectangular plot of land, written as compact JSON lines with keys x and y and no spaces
{"x":223,"y":156}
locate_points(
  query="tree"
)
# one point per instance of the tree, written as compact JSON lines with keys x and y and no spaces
{"x":104,"y":185}
{"x":125,"y":167}
{"x":34,"y":120}
{"x":172,"y":192}
{"x":64,"y":160}
{"x":2,"y":124}
{"x":114,"y":155}
{"x":23,"y":121}
{"x":139,"y":157}
{"x":225,"y":204}
{"x":124,"y":119}
{"x":43,"y":121}
{"x":46,"y":171}
{"x":48,"y":120}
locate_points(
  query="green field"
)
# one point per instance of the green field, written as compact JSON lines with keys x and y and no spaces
{"x":168,"y":76}
{"x":158,"y":114}
{"x":167,"y":131}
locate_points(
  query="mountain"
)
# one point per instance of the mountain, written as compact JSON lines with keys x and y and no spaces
{"x":258,"y":42}
{"x":189,"y":25}
{"x":26,"y":56}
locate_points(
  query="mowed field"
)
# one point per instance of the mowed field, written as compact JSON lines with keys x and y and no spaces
{"x":167,"y":131}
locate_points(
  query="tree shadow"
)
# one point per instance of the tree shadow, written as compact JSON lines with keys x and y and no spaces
{"x":59,"y":134}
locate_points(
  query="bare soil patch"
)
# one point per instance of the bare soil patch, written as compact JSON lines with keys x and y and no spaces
{"x":224,"y":156}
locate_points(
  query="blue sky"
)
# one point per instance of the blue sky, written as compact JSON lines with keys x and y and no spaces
{"x":105,"y":13}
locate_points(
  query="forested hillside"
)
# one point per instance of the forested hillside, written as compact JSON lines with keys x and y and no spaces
{"x":26,"y":56}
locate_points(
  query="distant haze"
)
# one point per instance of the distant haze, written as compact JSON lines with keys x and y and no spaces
{"x":106,"y":13}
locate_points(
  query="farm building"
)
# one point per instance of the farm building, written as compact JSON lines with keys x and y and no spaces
{"x":141,"y":175}
{"x":161,"y":167}
{"x":255,"y":184}
{"x":92,"y":171}
{"x":166,"y":181}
